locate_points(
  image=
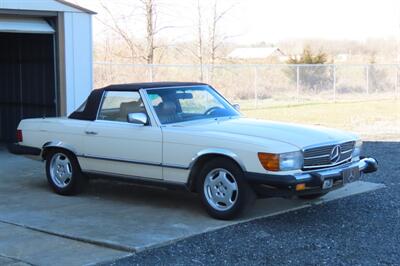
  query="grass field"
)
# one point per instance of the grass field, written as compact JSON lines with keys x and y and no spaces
{"x":375,"y":120}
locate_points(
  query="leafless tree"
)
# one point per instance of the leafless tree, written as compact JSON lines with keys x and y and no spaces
{"x":200,"y":40}
{"x":149,"y":9}
{"x":216,"y":40}
{"x":152,"y":28}
{"x":114,"y":25}
{"x":207,"y":48}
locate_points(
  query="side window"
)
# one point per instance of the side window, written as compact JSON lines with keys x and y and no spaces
{"x":82,"y":107}
{"x":117,"y":105}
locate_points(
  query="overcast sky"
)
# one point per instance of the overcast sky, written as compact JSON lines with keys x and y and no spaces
{"x":268,"y":20}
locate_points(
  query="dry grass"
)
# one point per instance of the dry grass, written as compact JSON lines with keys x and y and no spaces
{"x":374,"y":120}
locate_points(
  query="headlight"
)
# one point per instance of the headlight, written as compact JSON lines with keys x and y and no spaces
{"x":290,"y":161}
{"x":281,"y":162}
{"x":357,"y":149}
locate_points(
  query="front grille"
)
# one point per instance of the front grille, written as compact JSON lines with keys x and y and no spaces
{"x":319,"y":157}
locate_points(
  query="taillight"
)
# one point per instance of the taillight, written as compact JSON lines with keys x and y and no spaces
{"x":19,"y":135}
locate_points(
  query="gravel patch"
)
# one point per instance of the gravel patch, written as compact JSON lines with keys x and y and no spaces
{"x":358,"y":230}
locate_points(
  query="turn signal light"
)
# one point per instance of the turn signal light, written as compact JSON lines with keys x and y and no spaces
{"x":269,"y":161}
{"x":19,"y":135}
{"x":300,"y":187}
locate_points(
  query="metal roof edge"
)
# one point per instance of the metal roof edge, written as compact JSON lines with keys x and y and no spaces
{"x":76,"y":7}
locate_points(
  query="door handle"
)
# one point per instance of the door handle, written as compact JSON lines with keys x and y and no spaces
{"x":90,"y":133}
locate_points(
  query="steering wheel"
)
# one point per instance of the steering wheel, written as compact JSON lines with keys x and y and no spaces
{"x":212,"y":109}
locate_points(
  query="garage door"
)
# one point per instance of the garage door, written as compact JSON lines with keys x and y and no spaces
{"x":27,"y":79}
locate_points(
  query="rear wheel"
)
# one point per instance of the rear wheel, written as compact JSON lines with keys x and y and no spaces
{"x":223,"y":190}
{"x":63,"y":172}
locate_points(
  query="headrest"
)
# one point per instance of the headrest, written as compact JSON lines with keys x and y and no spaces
{"x":130,"y":107}
{"x":130,"y":104}
{"x":168,"y":107}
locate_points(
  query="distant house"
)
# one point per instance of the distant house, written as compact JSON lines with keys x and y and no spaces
{"x":259,"y":54}
{"x":342,"y":58}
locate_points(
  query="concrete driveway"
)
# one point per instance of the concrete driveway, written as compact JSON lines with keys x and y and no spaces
{"x":110,"y":220}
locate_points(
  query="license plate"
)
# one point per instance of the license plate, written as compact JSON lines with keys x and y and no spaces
{"x":328,"y":183}
{"x":351,"y":175}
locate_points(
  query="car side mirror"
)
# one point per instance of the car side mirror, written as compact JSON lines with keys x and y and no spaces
{"x":237,"y":107}
{"x":137,"y":118}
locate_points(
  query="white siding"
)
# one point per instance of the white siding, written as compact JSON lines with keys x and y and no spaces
{"x":78,"y":58}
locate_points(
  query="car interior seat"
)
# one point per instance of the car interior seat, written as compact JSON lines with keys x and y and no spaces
{"x":166,"y":112}
{"x":130,"y":107}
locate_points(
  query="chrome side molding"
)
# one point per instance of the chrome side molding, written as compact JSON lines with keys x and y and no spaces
{"x":217,"y":151}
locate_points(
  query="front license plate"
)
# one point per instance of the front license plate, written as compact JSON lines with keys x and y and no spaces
{"x":351,"y":175}
{"x":328,"y":183}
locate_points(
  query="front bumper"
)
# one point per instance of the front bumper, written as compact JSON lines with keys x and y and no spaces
{"x":285,"y":185}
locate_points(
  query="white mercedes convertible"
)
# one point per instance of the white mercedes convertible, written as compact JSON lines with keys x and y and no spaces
{"x":175,"y":134}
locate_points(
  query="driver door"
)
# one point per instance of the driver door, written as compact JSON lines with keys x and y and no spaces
{"x":115,"y":147}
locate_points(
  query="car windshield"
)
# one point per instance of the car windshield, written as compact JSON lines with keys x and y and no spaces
{"x":174,"y":105}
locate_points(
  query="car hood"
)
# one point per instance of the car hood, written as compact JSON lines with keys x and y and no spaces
{"x":300,"y":136}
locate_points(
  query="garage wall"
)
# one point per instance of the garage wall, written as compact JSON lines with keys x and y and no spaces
{"x":78,"y":58}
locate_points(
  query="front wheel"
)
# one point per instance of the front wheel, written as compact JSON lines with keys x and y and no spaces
{"x":223,"y":190}
{"x":63,"y":173}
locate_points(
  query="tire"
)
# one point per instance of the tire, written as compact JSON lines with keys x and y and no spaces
{"x":311,"y":196}
{"x":223,"y":191}
{"x":63,"y":172}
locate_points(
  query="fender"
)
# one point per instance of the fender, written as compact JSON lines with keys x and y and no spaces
{"x":212,"y":151}
{"x":217,"y":151}
{"x":58,"y":144}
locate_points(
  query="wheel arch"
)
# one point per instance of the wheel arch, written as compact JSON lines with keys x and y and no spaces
{"x":57,"y":145}
{"x":205,"y":156}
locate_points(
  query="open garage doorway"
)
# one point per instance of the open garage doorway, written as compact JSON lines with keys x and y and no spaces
{"x":27,"y":79}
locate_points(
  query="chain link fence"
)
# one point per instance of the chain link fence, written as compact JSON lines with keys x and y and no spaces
{"x":259,"y":86}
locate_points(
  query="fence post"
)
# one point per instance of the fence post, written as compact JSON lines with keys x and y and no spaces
{"x":201,"y":69}
{"x":396,"y":83}
{"x":255,"y":87}
{"x":298,"y":82}
{"x":206,"y":73}
{"x":367,"y":78}
{"x":334,"y":83}
{"x":150,"y":69}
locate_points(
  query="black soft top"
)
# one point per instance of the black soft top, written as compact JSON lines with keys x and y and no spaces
{"x":93,"y":101}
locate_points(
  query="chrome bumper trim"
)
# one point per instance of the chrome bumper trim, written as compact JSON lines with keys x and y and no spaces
{"x":367,"y":165}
